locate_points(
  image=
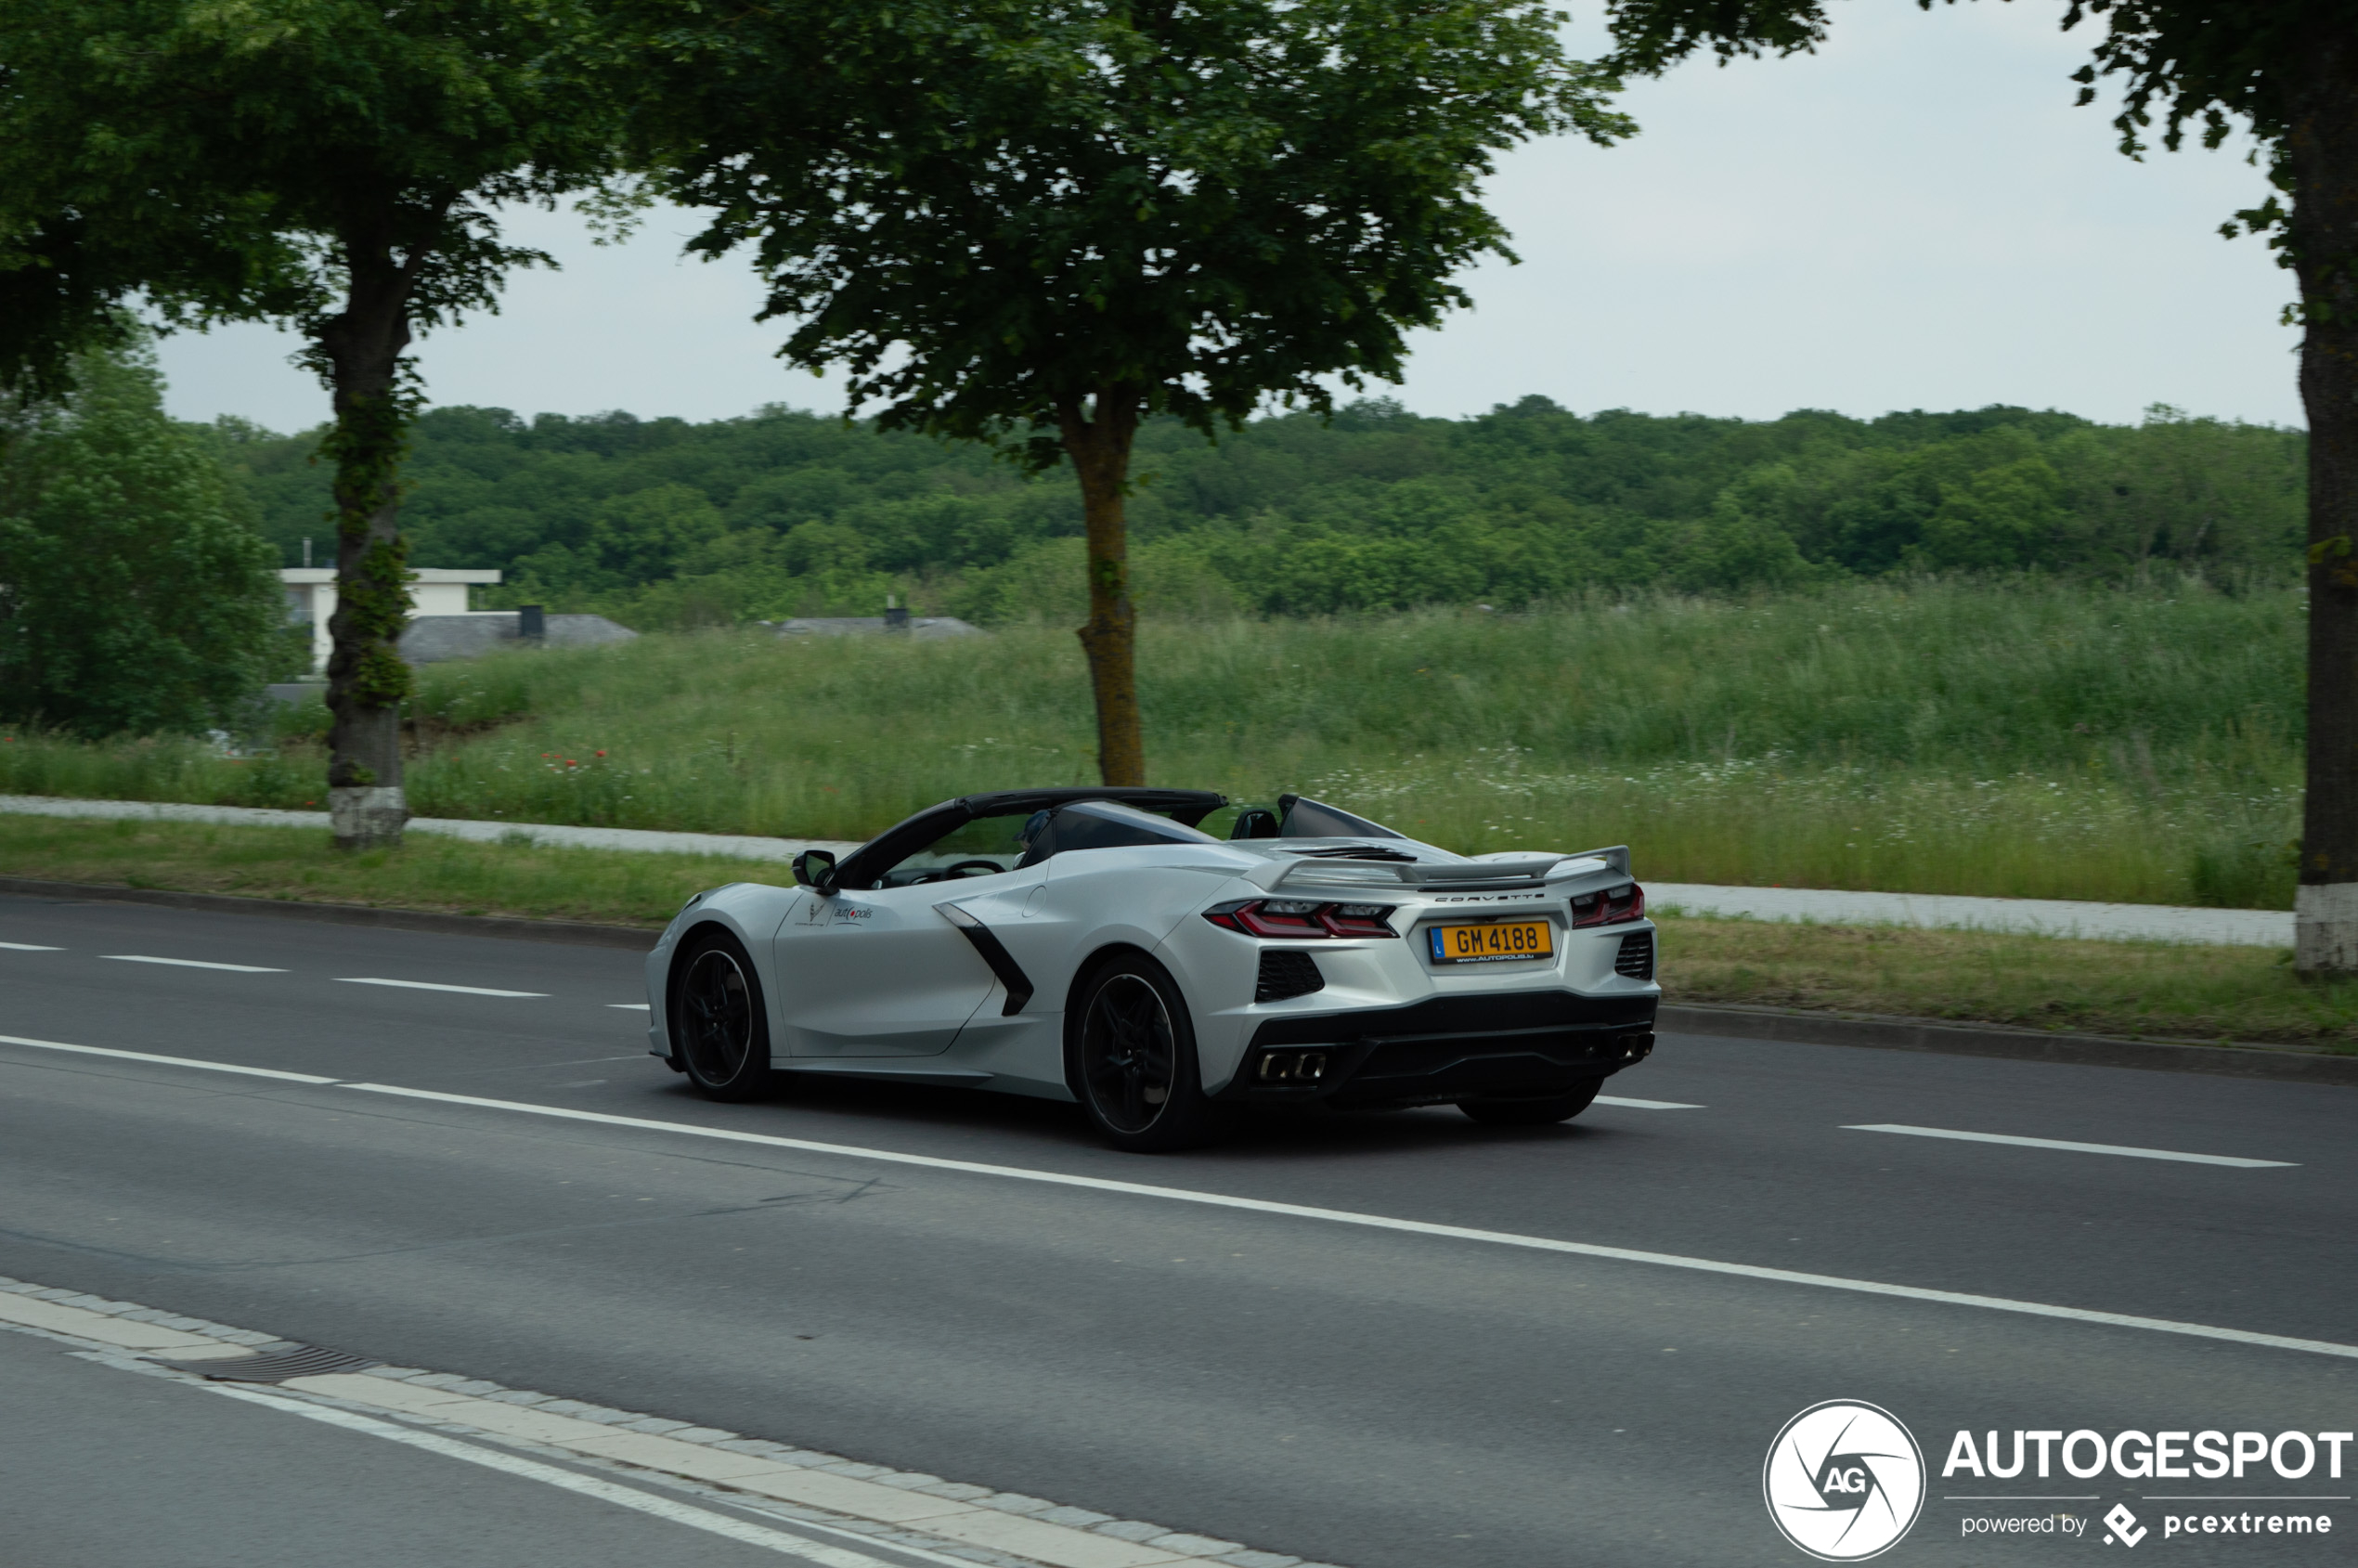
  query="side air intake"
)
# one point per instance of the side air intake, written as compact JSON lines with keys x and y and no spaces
{"x":1286,"y":973}
{"x":1636,"y":958}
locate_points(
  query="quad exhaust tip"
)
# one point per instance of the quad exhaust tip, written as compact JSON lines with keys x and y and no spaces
{"x":1292,"y":1066}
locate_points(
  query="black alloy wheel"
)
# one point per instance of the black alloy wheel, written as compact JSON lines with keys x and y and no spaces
{"x":719,"y":1027}
{"x":1132,"y":1059}
{"x":1538,"y":1111}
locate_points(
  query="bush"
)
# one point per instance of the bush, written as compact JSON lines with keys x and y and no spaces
{"x":135,"y":594}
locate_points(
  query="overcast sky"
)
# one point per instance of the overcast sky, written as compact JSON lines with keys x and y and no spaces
{"x":1916,"y":217}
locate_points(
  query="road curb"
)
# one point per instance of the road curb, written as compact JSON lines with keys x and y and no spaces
{"x":579,"y":932}
{"x":2232,"y":1060}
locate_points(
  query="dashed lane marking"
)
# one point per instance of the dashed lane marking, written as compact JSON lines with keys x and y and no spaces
{"x":192,"y":964}
{"x":1294,"y":1211}
{"x":1645,"y":1105}
{"x":30,"y":947}
{"x":629,"y":1007}
{"x":2070,"y":1147}
{"x":430,"y":985}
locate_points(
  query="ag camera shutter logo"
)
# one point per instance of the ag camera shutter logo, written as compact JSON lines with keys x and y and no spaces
{"x":1844,"y":1481}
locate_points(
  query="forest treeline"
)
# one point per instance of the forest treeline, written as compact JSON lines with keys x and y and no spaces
{"x":667,"y":522}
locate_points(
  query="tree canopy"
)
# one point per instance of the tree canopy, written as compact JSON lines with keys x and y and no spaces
{"x":334,"y":165}
{"x":1035,"y":225}
{"x":2288,"y":70}
{"x":660,"y":521}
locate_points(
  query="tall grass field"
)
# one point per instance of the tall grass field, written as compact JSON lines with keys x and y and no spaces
{"x":2023,"y":740}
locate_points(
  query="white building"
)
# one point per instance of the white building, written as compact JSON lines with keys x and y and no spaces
{"x":311,"y":597}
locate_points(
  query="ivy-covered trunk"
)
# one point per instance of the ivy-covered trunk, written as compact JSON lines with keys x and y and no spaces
{"x":2322,"y":153}
{"x":366,"y":679}
{"x":1100,"y":447}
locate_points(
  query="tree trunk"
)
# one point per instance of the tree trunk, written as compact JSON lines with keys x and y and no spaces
{"x":1099,"y":448}
{"x":2323,"y":150}
{"x":366,"y":679}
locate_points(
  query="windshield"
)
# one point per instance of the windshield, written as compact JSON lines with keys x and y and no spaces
{"x":980,"y":847}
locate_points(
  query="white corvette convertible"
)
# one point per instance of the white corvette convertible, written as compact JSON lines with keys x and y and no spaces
{"x":1098,"y":945}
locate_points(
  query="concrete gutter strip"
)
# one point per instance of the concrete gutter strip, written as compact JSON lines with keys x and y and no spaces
{"x":731,"y":845}
{"x":647,"y":841}
{"x":2049,"y":917}
{"x":2233,"y":1060}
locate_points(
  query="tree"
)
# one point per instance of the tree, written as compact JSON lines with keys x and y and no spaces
{"x":2288,"y":72}
{"x":1034,"y":224}
{"x":135,"y":592}
{"x":334,"y":165}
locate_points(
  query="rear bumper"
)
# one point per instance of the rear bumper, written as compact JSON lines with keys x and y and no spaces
{"x":1445,"y":1048}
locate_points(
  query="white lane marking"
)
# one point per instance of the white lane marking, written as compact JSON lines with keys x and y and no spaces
{"x":429,"y":985}
{"x":667,"y":1509}
{"x":1290,"y":1210}
{"x":166,"y":1061}
{"x":629,"y":1007}
{"x":2074,"y":1149}
{"x":30,"y":947}
{"x":1646,"y":1104}
{"x":1385,"y":1221}
{"x":191,"y":964}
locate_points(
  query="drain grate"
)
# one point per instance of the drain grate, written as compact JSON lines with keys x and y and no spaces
{"x":278,"y":1366}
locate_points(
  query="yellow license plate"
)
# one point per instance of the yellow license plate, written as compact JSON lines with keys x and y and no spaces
{"x":1498,"y":941}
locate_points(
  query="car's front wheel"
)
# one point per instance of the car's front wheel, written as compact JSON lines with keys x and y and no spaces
{"x":1130,"y":1056}
{"x":1537,"y":1112}
{"x":719,"y":1027}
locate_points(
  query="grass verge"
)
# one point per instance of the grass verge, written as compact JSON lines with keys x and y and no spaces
{"x":444,"y":875}
{"x":2015,"y":739}
{"x":2154,"y":990}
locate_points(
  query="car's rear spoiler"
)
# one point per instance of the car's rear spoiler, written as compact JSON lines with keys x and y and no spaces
{"x":1506,"y":871}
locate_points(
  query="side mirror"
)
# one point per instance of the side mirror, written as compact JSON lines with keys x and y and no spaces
{"x":1258,"y":822}
{"x":815,"y":869}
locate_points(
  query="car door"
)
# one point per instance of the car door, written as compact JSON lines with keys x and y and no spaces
{"x":880,"y":972}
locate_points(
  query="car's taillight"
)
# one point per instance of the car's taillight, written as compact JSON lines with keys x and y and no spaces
{"x":1300,"y":918}
{"x":1359,"y":920}
{"x":1608,"y":906}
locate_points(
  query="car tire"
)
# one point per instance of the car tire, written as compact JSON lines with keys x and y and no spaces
{"x":1129,"y":1058}
{"x":719,"y":1023}
{"x":1536,"y":1113}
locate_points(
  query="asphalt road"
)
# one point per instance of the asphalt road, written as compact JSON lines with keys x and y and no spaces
{"x":1379,"y":1398}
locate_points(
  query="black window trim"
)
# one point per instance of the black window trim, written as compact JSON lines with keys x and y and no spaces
{"x":865,"y":866}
